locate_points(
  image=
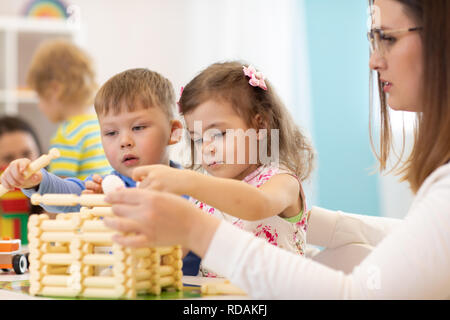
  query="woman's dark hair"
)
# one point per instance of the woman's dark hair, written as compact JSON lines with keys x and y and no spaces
{"x":13,"y":124}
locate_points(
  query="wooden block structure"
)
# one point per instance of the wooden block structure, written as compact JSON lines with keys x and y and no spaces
{"x":67,"y":254}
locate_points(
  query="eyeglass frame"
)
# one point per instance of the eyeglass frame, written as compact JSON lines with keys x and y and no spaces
{"x":382,"y":33}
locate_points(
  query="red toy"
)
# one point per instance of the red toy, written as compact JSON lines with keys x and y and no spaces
{"x":11,"y":256}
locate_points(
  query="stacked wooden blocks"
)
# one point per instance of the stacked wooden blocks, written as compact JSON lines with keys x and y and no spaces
{"x":68,"y":257}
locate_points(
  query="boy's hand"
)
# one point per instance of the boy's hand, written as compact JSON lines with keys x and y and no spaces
{"x":94,"y":185}
{"x":163,"y":178}
{"x":13,"y":177}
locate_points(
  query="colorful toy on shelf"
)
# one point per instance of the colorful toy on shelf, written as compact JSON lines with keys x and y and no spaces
{"x":67,"y":255}
{"x":11,"y":256}
{"x":46,"y":9}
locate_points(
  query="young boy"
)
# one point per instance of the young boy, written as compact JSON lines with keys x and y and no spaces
{"x":135,"y":112}
{"x":63,"y":76}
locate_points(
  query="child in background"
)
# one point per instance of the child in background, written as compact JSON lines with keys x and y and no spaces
{"x":64,"y":79}
{"x":260,"y":196}
{"x":135,"y":111}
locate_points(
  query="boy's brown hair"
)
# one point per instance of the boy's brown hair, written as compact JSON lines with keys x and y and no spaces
{"x":136,"y":88}
{"x":63,"y":62}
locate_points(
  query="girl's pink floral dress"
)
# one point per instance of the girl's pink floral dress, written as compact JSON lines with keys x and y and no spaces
{"x":289,"y":234}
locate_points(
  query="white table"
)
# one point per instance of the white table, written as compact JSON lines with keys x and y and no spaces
{"x":10,"y":295}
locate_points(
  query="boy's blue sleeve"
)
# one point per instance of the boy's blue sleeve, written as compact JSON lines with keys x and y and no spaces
{"x":54,"y":184}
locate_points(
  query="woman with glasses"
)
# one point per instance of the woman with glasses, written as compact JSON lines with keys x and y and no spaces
{"x":410,"y":53}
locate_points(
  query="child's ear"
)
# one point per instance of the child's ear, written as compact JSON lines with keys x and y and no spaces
{"x":53,"y":90}
{"x":176,"y":132}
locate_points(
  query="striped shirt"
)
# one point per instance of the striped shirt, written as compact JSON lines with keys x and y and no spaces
{"x":78,"y":139}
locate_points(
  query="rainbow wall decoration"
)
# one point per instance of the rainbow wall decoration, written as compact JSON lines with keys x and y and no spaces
{"x":46,"y":9}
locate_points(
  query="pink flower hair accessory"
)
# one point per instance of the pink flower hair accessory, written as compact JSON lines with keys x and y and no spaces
{"x":256,"y":78}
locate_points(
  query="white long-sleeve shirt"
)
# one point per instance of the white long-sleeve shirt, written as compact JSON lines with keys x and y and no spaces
{"x":411,"y":258}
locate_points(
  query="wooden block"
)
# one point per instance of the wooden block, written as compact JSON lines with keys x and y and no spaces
{"x":166,"y":281}
{"x":57,"y":236}
{"x":131,"y":293}
{"x":142,"y":274}
{"x":99,"y":259}
{"x":41,"y":162}
{"x":61,"y":225}
{"x":87,"y":271}
{"x":55,"y":270}
{"x":98,"y":211}
{"x":119,"y":267}
{"x":48,"y":248}
{"x":178,"y":275}
{"x":35,"y":166}
{"x":164,"y":250}
{"x":55,"y":280}
{"x":57,"y":258}
{"x":99,"y":238}
{"x":221,"y":288}
{"x":166,"y":270}
{"x":130,"y":283}
{"x":113,"y":293}
{"x":143,"y":285}
{"x":57,"y":199}
{"x":142,"y":252}
{"x":95,"y":226}
{"x":168,"y":260}
{"x":88,"y":248}
{"x":34,"y":232}
{"x":34,"y":255}
{"x":155,"y":290}
{"x":36,"y":277}
{"x":144,"y":263}
{"x":35,"y":288}
{"x":101,"y":282}
{"x":60,"y":291}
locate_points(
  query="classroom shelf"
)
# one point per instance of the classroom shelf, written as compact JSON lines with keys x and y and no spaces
{"x":19,"y":38}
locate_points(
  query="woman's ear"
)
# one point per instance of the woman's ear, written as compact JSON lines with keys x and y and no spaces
{"x":176,"y":132}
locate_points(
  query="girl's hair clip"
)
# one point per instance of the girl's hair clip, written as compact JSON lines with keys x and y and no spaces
{"x":256,"y":78}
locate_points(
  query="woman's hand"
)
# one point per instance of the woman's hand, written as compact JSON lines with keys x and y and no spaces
{"x":94,"y":185}
{"x":13,"y":176}
{"x":152,"y":218}
{"x":164,"y":178}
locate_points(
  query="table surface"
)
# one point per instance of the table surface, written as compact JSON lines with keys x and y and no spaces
{"x":187,"y":280}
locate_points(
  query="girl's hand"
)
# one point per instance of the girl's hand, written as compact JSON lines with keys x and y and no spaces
{"x":13,"y":176}
{"x":159,"y":219}
{"x":163,"y":178}
{"x":94,"y":185}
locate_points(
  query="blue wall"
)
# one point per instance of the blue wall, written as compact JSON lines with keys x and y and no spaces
{"x":339,"y":82}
